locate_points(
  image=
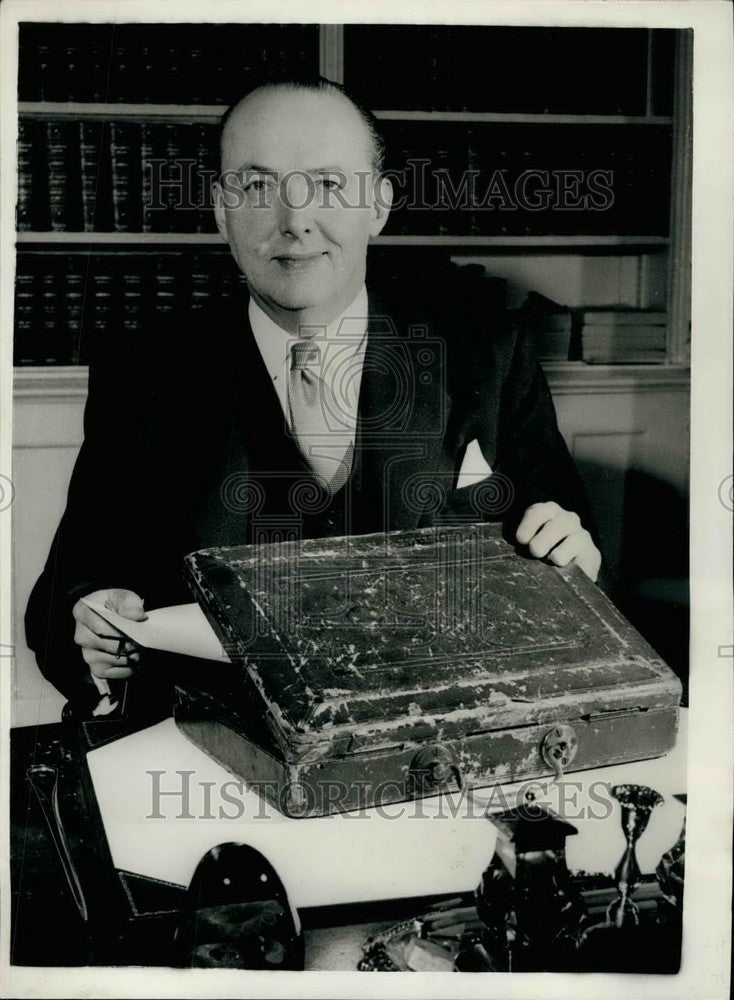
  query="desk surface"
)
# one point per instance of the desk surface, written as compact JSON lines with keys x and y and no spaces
{"x":47,"y":931}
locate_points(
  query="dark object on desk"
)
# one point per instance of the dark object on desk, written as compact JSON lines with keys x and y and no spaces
{"x":537,"y":917}
{"x":236,"y":915}
{"x":530,"y":914}
{"x":383,"y":667}
{"x":637,"y":803}
{"x":71,"y":906}
{"x":527,"y":901}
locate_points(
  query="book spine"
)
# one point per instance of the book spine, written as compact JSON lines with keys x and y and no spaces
{"x":97,"y":63}
{"x":197,"y":75}
{"x":24,"y":206}
{"x":177,"y":83}
{"x":62,"y":180}
{"x":201,"y":282}
{"x":102,"y":311}
{"x":624,"y":318}
{"x":625,"y":334}
{"x":26,"y":319}
{"x":473,"y":175}
{"x":132,"y":302}
{"x":121,"y":76}
{"x":175,"y":219}
{"x":630,"y":357}
{"x":51,"y":350}
{"x":46,"y":78}
{"x":90,"y":139}
{"x":72,"y":78}
{"x":147,"y":172}
{"x":73,"y":309}
{"x":122,"y":149}
{"x":164,"y":302}
{"x":206,"y":174}
{"x":445,"y":220}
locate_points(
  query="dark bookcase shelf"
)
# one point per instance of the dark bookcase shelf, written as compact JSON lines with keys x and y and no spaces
{"x":100,"y":103}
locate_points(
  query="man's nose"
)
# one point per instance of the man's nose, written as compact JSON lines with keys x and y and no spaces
{"x":297,"y":197}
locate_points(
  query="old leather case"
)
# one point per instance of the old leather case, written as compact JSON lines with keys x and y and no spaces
{"x":376,"y":668}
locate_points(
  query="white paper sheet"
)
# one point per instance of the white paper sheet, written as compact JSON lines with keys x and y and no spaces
{"x":182,"y":628}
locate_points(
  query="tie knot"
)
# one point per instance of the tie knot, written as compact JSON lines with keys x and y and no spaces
{"x":305,"y":354}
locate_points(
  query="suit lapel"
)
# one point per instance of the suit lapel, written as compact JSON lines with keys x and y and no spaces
{"x":403,"y":410}
{"x":401,"y":471}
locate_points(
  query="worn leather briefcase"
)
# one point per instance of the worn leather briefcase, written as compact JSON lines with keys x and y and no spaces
{"x":377,"y":668}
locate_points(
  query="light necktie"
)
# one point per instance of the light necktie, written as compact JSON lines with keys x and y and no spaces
{"x":315,"y":418}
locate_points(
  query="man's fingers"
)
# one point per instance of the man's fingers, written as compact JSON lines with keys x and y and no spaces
{"x":126,"y":603}
{"x":552,"y":533}
{"x":110,"y":673}
{"x":580,"y":548}
{"x":590,"y":562}
{"x":550,"y":530}
{"x":96,"y":624}
{"x":568,"y":549}
{"x":534,"y":518}
{"x":106,"y":666}
{"x":85,"y":636}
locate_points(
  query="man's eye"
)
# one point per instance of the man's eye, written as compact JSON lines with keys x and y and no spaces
{"x":258,"y":184}
{"x":331,"y":183}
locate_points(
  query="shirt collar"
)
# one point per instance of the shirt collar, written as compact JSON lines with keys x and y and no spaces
{"x":274,"y":342}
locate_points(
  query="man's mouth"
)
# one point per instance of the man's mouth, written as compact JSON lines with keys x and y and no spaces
{"x":298,"y":261}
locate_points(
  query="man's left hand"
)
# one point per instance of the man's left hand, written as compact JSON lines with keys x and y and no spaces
{"x":549,"y":530}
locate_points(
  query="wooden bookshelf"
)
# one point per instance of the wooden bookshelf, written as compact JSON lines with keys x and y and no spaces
{"x":210,"y":114}
{"x":651,"y":115}
{"x":488,"y":243}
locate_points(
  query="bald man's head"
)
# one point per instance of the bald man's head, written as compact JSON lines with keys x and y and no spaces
{"x":232,"y":120}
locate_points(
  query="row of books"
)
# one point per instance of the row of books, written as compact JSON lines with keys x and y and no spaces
{"x":531,"y":179}
{"x":131,"y":176}
{"x":159,"y":63}
{"x":432,"y":67}
{"x":615,"y":336}
{"x":491,"y":68}
{"x":95,"y":176}
{"x":65,"y":304}
{"x":595,"y":334}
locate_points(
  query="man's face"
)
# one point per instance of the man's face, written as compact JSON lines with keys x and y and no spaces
{"x":297,"y":203}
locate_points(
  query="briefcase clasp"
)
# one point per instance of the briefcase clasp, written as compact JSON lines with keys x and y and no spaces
{"x":431,"y":769}
{"x":558,"y":749}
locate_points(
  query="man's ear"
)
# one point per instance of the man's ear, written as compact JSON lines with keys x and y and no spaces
{"x":220,"y":216}
{"x":382,"y":195}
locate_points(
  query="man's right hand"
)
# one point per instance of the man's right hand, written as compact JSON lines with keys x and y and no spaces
{"x":99,"y":647}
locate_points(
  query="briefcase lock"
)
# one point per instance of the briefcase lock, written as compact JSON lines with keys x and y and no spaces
{"x":432,"y":768}
{"x":558,"y":749}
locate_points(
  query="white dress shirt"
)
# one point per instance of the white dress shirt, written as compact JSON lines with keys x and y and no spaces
{"x":343,"y":343}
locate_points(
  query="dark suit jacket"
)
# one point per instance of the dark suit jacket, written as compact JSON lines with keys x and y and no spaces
{"x":185,"y":447}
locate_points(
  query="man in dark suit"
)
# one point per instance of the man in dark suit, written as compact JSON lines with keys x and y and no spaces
{"x":318,"y":405}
